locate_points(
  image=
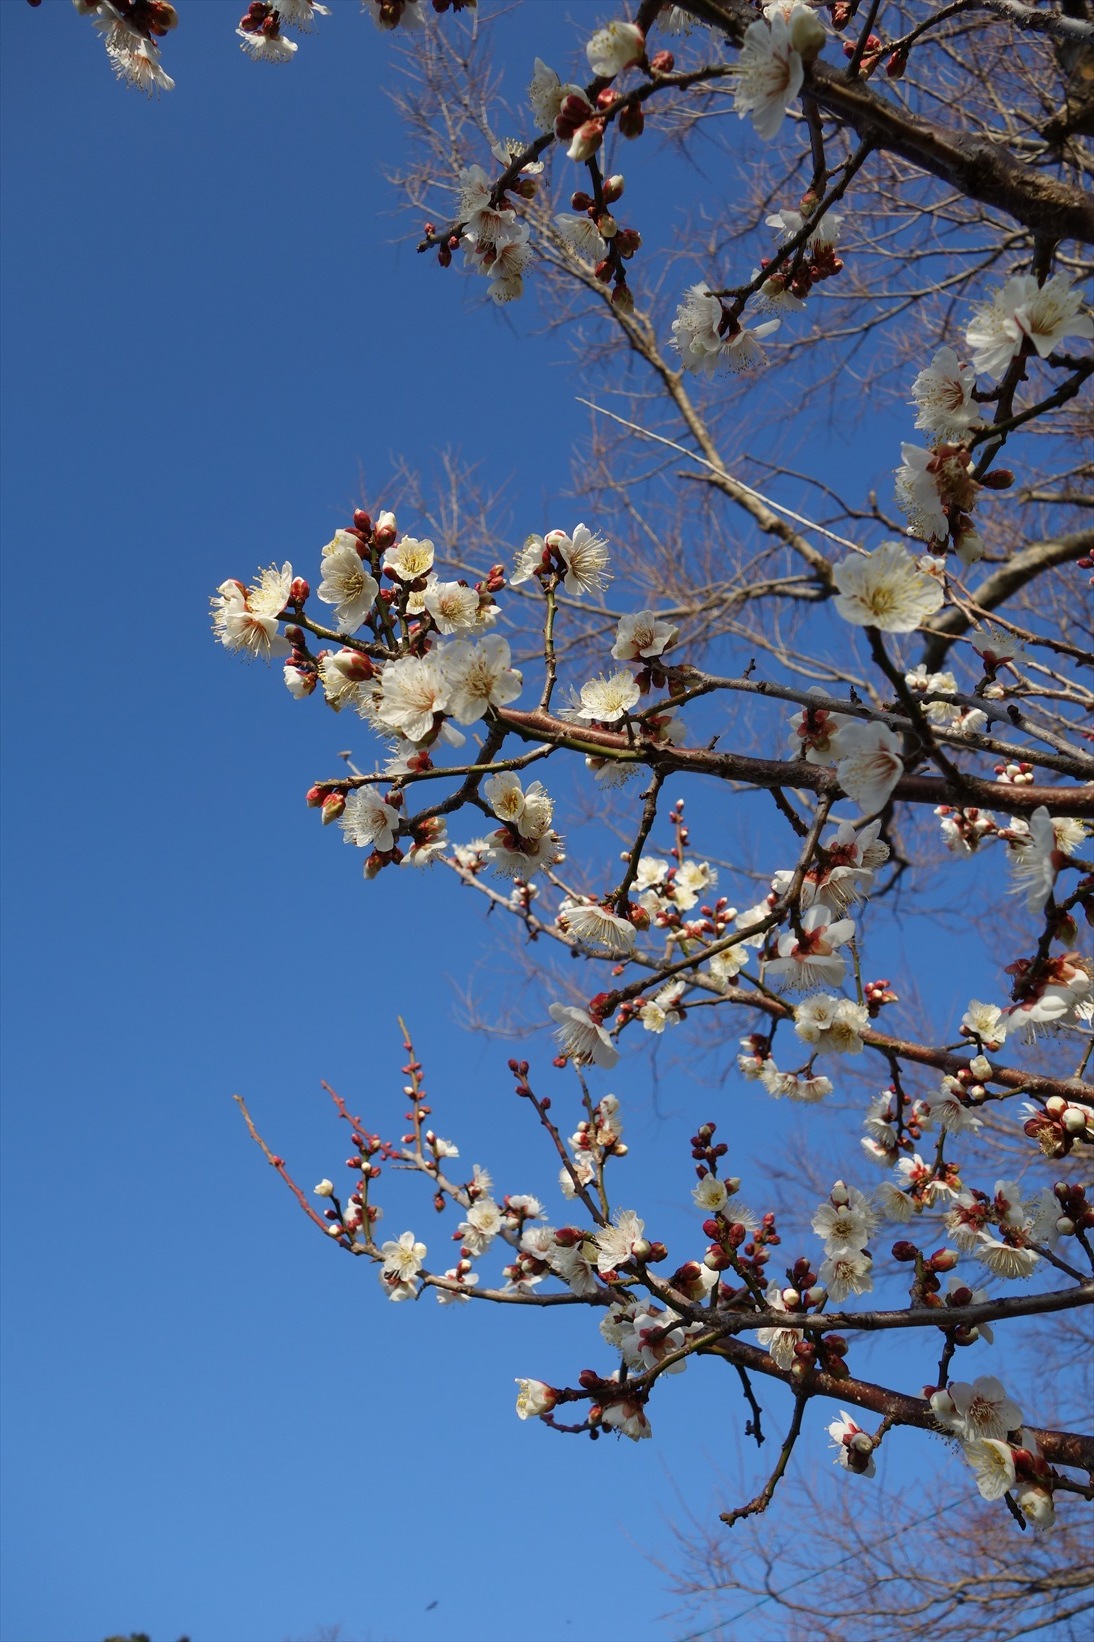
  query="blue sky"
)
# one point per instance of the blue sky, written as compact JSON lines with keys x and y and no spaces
{"x":214,"y":1425}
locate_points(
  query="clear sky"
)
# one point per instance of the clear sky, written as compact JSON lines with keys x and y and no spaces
{"x":213,"y":327}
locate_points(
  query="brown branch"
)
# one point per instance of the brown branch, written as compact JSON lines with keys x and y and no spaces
{"x":767,"y":772}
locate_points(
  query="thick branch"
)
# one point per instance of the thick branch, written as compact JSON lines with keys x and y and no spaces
{"x":974,"y":166}
{"x":769,"y":772}
{"x":1058,"y":1447}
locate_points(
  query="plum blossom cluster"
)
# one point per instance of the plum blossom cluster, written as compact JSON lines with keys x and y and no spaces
{"x":131,"y":31}
{"x":936,"y":486}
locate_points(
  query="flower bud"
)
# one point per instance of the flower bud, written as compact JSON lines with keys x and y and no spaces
{"x":325,"y":1188}
{"x":332,"y":807}
{"x":299,"y":591}
{"x":612,"y":189}
{"x":662,"y":62}
{"x":385,"y":531}
{"x":535,"y":1398}
{"x":807,"y":34}
{"x":632,"y":121}
{"x":586,"y":140}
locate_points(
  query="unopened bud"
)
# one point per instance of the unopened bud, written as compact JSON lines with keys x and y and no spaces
{"x":586,"y":140}
{"x":662,"y":62}
{"x":632,"y":121}
{"x":807,"y":34}
{"x":332,"y":807}
{"x":299,"y":591}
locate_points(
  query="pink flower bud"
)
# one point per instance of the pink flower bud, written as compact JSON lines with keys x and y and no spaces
{"x":586,"y":140}
{"x":632,"y":121}
{"x":332,"y":807}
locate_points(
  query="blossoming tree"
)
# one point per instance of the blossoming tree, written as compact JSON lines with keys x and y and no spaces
{"x":904,"y":693}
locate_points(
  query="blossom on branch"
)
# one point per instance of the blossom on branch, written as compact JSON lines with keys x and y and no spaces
{"x":767,"y":76}
{"x":614,"y":48}
{"x":1022,"y":310}
{"x":885,"y":589}
{"x":870,"y":765}
{"x":582,"y":1039}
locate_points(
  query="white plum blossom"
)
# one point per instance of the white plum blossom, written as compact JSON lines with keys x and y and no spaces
{"x":886,"y":589}
{"x":585,"y":557}
{"x":343,"y":678}
{"x":346,"y":582}
{"x":618,"y":1243}
{"x":642,"y":637}
{"x":1034,"y":859}
{"x":993,"y":1462}
{"x":663,"y":1010}
{"x":606,"y":700}
{"x":402,"y":1261}
{"x":482,"y":1225}
{"x":415,"y":690}
{"x":504,"y":265}
{"x":628,"y":1417}
{"x":479,"y":677}
{"x":1005,"y":1259}
{"x":520,"y":856}
{"x":582,"y":1038}
{"x":455,"y":608}
{"x":692,"y":878}
{"x":134,"y":59}
{"x":943,"y":394}
{"x":870,"y":765}
{"x":832,"y":1024}
{"x":1021,"y":310}
{"x":767,"y":75}
{"x":778,"y":1342}
{"x":846,"y":1221}
{"x":301,"y":14}
{"x":486,"y":226}
{"x":985,"y":1022}
{"x":597,"y":925}
{"x":927,"y":482}
{"x":812,"y":959}
{"x":1037,"y":1507}
{"x":726,"y":965}
{"x":534,"y":1399}
{"x":368,"y":821}
{"x":410,"y":558}
{"x":246,"y":618}
{"x":614,"y":48}
{"x":267,"y":47}
{"x":582,"y":235}
{"x":546,"y":94}
{"x":711,"y":1194}
{"x":706,"y":342}
{"x":846,"y":1271}
{"x":946,"y":1106}
{"x":821,"y":238}
{"x":977,"y":1411}
{"x":854,"y":1446}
